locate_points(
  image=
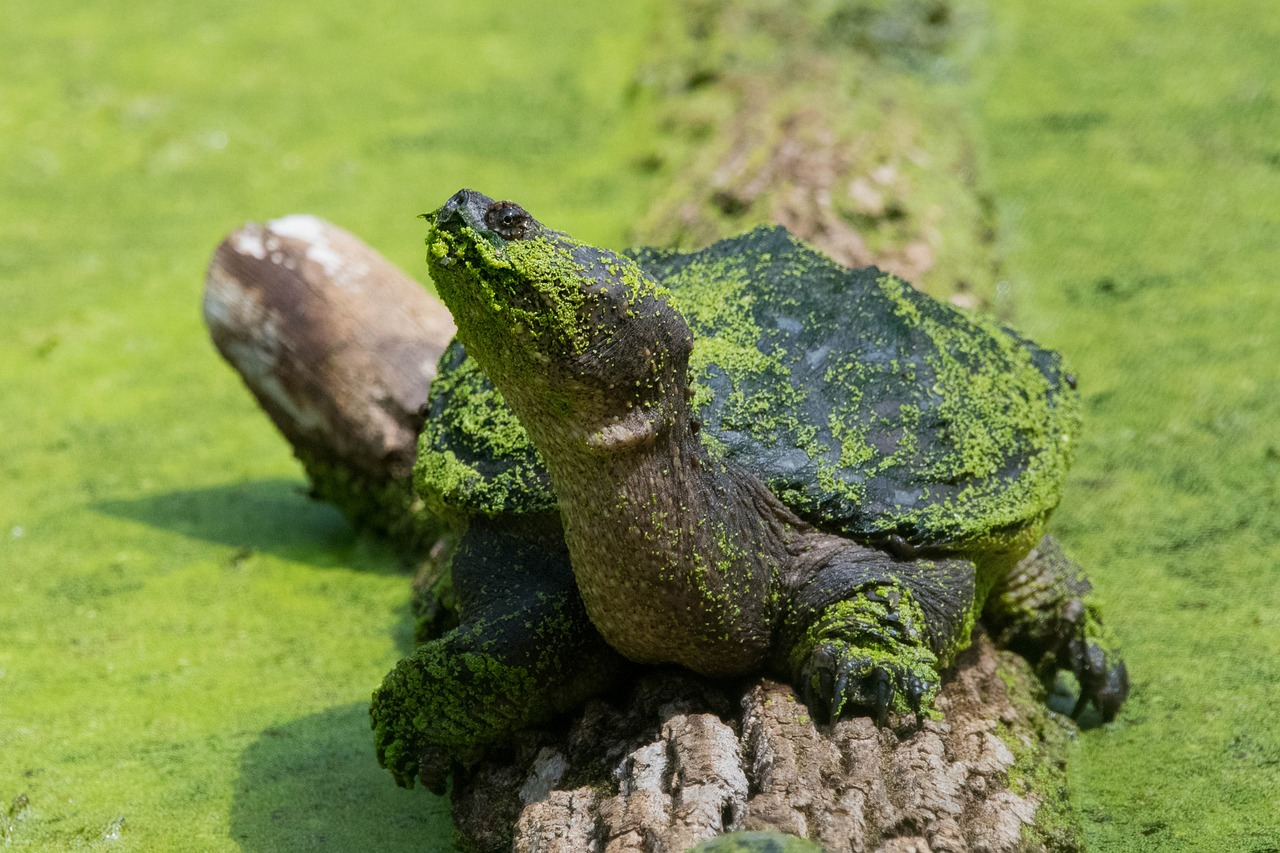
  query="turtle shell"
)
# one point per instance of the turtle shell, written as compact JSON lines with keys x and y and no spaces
{"x":869,"y":408}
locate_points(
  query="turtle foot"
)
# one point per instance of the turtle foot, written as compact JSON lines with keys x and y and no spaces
{"x":1073,"y":638}
{"x":398,"y":740}
{"x":868,"y":653}
{"x":1046,"y":611}
{"x":1087,"y":654}
{"x":434,"y":710}
{"x":843,"y":679}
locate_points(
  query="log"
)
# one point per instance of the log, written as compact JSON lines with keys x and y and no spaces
{"x":339,"y":347}
{"x":802,"y":115}
{"x":680,"y":760}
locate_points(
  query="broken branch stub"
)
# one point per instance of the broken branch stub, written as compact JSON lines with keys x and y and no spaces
{"x":339,"y":347}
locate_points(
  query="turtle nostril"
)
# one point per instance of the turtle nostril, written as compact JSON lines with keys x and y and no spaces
{"x":450,"y":216}
{"x":466,"y":209}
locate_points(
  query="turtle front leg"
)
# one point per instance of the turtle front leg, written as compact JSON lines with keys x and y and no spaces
{"x":871,"y":633}
{"x":524,"y":650}
{"x":1045,"y":611}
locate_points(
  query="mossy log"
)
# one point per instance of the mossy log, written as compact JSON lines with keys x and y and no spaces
{"x":339,"y":347}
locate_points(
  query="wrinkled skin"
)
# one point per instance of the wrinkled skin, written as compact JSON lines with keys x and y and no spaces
{"x":661,"y":551}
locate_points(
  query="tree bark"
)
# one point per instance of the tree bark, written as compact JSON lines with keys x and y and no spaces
{"x":680,"y":759}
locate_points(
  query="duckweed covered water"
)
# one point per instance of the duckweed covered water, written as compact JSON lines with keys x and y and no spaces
{"x":1135,"y":148}
{"x":187,"y":644}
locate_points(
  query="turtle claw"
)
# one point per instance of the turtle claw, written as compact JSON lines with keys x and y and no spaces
{"x":843,"y":680}
{"x":1103,"y":684}
{"x":1083,"y":649}
{"x":839,"y":693}
{"x":915,"y":694}
{"x":1047,"y":613}
{"x":881,"y":690}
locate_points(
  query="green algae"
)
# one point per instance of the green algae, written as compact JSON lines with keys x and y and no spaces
{"x":914,"y":396}
{"x":717,"y":302}
{"x":537,"y":287}
{"x":868,"y":631}
{"x":469,"y":426}
{"x":1133,"y":149}
{"x":450,"y":696}
{"x":1132,"y":146}
{"x":186,"y":641}
{"x":551,"y":309}
{"x":983,"y":425}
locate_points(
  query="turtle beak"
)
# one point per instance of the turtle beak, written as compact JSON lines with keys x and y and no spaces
{"x":467,"y":209}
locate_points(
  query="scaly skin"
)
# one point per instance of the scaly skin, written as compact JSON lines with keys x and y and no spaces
{"x":1045,"y":610}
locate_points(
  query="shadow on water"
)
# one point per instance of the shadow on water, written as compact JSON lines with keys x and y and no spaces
{"x":273,"y":517}
{"x":269,"y":516}
{"x":313,"y":784}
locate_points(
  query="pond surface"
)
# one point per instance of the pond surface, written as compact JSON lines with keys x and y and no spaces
{"x":187,"y":643}
{"x":1135,"y":148}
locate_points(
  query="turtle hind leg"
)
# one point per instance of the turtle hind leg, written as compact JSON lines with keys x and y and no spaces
{"x":523,"y":651}
{"x":1044,"y":610}
{"x":871,"y":633}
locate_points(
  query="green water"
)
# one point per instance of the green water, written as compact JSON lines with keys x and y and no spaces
{"x":187,"y":644}
{"x":1135,"y":150}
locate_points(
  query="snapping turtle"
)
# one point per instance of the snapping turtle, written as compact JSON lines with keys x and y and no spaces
{"x":745,"y":459}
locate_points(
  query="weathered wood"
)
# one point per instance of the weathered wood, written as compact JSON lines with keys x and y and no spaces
{"x":339,"y":347}
{"x":680,"y":760}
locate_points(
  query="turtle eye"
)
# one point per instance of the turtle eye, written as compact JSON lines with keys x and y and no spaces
{"x":508,"y":219}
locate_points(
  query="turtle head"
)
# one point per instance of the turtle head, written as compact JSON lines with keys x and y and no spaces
{"x":577,"y":338}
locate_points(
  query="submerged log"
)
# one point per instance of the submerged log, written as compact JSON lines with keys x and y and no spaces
{"x":340,"y":347}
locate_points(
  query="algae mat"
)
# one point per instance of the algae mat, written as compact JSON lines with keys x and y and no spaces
{"x":1135,"y":149}
{"x":187,"y":644}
